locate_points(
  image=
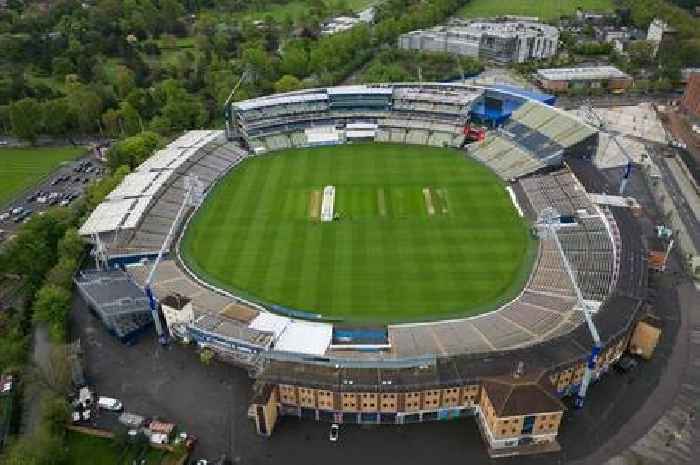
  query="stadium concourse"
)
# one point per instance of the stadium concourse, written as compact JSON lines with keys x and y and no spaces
{"x":508,"y":368}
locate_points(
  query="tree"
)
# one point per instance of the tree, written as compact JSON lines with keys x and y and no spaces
{"x":288,"y":83}
{"x":133,"y":150}
{"x":57,"y":117}
{"x":25,"y":117}
{"x":110,"y":122}
{"x":295,"y":59}
{"x":641,"y":53}
{"x":52,"y":306}
{"x":56,"y":376}
{"x":13,"y":344}
{"x":206,"y":356}
{"x":124,"y":81}
{"x":130,"y":119}
{"x":33,"y":251}
{"x":71,"y":244}
{"x":170,"y":13}
{"x":86,"y":105}
{"x":61,"y":274}
{"x":258,"y":63}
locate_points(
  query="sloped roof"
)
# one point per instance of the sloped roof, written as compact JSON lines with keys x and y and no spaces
{"x":522,"y":396}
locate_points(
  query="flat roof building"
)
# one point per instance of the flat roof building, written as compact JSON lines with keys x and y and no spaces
{"x":595,"y":77}
{"x":500,"y":41}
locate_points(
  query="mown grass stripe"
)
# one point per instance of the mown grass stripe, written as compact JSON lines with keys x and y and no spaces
{"x":254,"y":233}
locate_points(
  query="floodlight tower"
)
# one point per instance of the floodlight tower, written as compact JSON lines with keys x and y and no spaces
{"x":194,"y":192}
{"x":594,"y":118}
{"x":228,"y":112}
{"x":547,"y":225}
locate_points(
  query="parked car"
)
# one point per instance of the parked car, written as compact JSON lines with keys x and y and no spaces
{"x":4,"y":216}
{"x":334,"y":433}
{"x":108,"y":403}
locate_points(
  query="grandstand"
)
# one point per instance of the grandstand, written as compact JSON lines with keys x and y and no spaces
{"x":423,"y":371}
{"x":117,"y":301}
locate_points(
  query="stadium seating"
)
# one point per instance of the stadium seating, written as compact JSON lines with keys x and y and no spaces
{"x":558,"y":127}
{"x":506,"y":159}
{"x":588,"y":244}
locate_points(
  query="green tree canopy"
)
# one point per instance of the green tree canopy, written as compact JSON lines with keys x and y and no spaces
{"x":25,"y":117}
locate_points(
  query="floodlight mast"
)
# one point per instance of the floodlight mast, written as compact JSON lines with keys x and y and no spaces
{"x":229,"y":102}
{"x":547,"y":224}
{"x":193,"y":196}
{"x":592,"y":116}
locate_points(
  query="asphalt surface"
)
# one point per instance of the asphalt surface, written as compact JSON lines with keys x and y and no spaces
{"x":685,"y":213}
{"x":45,"y":186}
{"x":211,"y":402}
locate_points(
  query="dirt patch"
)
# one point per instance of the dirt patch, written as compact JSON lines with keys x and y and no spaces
{"x":428,"y":197}
{"x":381,"y":202}
{"x":314,"y":204}
{"x":441,"y":197}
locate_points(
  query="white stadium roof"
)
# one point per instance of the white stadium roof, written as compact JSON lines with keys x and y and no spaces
{"x":362,"y":90}
{"x":126,"y":204}
{"x":303,"y":337}
{"x":279,"y":100}
{"x":138,"y":184}
{"x":196,"y":138}
{"x":115,"y":214}
{"x":270,"y":322}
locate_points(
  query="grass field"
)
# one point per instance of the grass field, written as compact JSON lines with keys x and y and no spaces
{"x":83,"y":449}
{"x":544,"y":9}
{"x":20,"y":168}
{"x":422,"y":233}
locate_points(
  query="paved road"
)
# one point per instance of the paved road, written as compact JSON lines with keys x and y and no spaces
{"x":31,"y":399}
{"x":683,"y":209}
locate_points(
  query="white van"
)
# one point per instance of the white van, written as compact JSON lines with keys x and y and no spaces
{"x":107,"y":403}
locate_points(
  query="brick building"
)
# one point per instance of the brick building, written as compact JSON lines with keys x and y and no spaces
{"x":595,"y":77}
{"x":691,"y":98}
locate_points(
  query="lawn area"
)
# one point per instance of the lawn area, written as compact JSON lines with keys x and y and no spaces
{"x":21,"y":168}
{"x":84,"y":449}
{"x":421,"y":234}
{"x":296,"y":8}
{"x":544,"y":9}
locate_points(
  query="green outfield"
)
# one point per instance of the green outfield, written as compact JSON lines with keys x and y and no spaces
{"x":21,"y":168}
{"x":421,"y":233}
{"x":544,"y":9}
